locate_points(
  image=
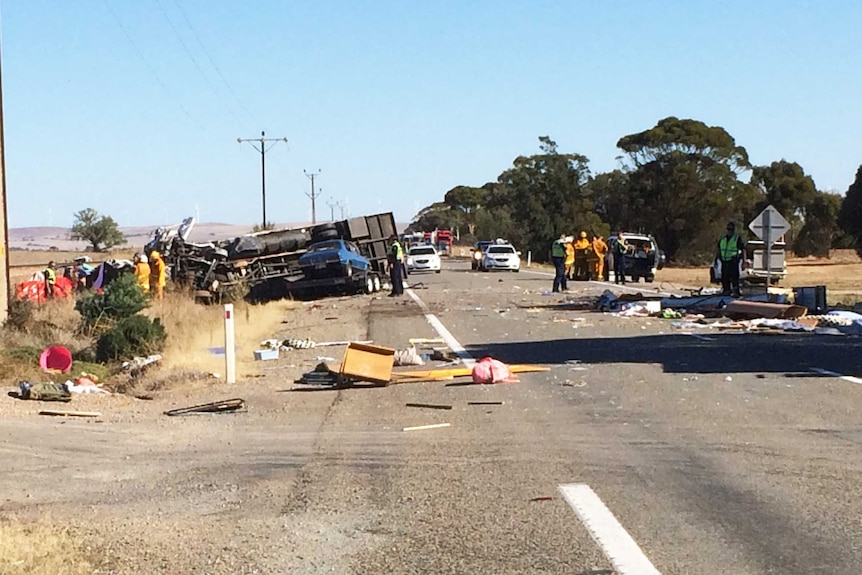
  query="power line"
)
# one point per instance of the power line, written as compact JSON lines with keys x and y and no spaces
{"x":210,"y":58}
{"x":313,"y":195}
{"x":263,"y":150}
{"x":151,"y":69}
{"x":194,"y":60}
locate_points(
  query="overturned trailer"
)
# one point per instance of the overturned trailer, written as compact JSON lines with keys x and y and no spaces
{"x":266,"y":265}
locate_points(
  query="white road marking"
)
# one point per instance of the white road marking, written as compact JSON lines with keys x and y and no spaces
{"x":616,"y":543}
{"x":447,"y":336}
{"x":703,"y":337}
{"x":849,"y":378}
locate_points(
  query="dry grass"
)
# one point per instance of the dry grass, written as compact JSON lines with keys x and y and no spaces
{"x":194,"y":328}
{"x":40,"y":549}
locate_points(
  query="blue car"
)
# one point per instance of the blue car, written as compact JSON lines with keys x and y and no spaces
{"x":333,"y":259}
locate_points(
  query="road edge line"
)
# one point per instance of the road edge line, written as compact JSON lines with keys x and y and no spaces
{"x":615,"y":542}
{"x":850,"y":378}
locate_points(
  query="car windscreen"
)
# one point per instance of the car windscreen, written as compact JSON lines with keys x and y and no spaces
{"x":424,"y":251}
{"x":501,"y":250}
{"x":325,"y":246}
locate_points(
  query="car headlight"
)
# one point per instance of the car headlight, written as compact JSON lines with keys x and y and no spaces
{"x":409,"y":261}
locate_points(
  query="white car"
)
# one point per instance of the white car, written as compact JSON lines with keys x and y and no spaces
{"x":501,"y":257}
{"x":423,"y":259}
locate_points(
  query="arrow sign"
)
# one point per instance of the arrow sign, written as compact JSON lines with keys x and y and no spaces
{"x":769,"y":226}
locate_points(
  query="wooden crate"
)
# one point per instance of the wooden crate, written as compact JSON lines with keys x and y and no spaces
{"x":364,"y":362}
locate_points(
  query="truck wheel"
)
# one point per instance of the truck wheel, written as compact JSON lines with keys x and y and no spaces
{"x":369,"y":284}
{"x":377,"y":285}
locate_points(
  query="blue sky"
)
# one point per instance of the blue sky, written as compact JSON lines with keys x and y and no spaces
{"x":395,"y":101}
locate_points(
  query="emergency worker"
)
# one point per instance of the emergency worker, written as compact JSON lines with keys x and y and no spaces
{"x":157,"y":275}
{"x":558,"y":257}
{"x":582,"y":247}
{"x":50,"y":280}
{"x":730,"y":250}
{"x":396,"y":267}
{"x":599,"y":250}
{"x":570,"y":256}
{"x":142,"y":272}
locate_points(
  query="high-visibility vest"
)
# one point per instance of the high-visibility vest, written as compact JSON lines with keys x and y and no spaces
{"x":728,"y":247}
{"x":558,"y":249}
{"x":50,"y":276}
{"x":397,"y":252}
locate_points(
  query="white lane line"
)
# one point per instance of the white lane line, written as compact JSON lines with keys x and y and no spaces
{"x":703,"y":337}
{"x":849,"y":378}
{"x":616,"y":543}
{"x":603,"y":283}
{"x":444,"y":333}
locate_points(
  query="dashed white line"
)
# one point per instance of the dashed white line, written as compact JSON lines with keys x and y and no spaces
{"x":849,"y":378}
{"x":444,"y":333}
{"x":616,"y":543}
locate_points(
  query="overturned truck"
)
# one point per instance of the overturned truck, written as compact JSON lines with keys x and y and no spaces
{"x":347,"y":256}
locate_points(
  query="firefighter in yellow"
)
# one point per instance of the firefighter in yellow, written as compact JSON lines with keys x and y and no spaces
{"x":157,"y":275}
{"x":598,"y":251}
{"x":570,"y":256}
{"x":582,"y":246}
{"x":142,"y":272}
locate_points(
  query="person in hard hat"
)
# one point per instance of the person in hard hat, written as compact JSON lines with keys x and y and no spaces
{"x":142,"y":272}
{"x":582,"y":246}
{"x":157,"y":274}
{"x":558,"y":257}
{"x":729,"y":253}
{"x":50,"y":280}
{"x":569,"y":262}
{"x":598,"y":251}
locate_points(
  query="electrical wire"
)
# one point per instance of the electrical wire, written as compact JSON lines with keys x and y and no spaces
{"x":151,"y":69}
{"x":211,"y":61}
{"x":194,"y":61}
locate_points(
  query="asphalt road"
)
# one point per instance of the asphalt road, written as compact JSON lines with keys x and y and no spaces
{"x":716,"y":453}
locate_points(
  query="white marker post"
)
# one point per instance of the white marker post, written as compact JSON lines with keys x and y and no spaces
{"x":229,"y":347}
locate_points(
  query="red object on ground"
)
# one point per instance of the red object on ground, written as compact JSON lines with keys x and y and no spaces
{"x":490,"y":370}
{"x":35,"y":290}
{"x":56,"y":357}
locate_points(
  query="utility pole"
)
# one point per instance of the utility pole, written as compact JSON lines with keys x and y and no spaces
{"x":263,"y":150}
{"x":313,"y":195}
{"x":4,"y":223}
{"x":343,"y":207}
{"x":332,"y":205}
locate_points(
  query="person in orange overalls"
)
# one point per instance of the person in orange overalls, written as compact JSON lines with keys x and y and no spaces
{"x":570,"y":256}
{"x":599,"y":251}
{"x":157,"y":275}
{"x":582,"y":246}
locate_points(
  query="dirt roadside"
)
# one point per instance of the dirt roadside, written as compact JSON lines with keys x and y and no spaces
{"x":149,"y":493}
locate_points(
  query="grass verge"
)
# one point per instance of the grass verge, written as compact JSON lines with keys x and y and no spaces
{"x":41,"y":549}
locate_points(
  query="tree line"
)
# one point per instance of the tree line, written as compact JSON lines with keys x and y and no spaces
{"x":681,"y":181}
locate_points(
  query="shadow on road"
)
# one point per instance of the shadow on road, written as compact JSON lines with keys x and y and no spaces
{"x":678,"y":353}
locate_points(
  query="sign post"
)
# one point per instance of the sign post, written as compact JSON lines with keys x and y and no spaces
{"x":229,"y":347}
{"x":769,"y":226}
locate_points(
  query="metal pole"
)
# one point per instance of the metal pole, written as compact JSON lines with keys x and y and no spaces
{"x":263,"y":177}
{"x":229,"y":345}
{"x":767,"y":240}
{"x":4,"y":223}
{"x":313,"y":195}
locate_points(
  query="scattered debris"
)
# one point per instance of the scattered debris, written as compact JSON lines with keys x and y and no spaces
{"x":408,"y":357}
{"x":431,"y":426}
{"x":213,"y":407}
{"x":486,"y":403}
{"x":323,"y":358}
{"x":363,"y":362}
{"x":490,"y":370}
{"x":44,"y":391}
{"x":138,"y":365}
{"x":728,"y":378}
{"x":542,"y":498}
{"x":424,"y":341}
{"x":85,"y":385}
{"x":266,"y":354}
{"x":428,"y":405}
{"x":70,"y":413}
{"x":750,"y":310}
{"x":56,"y":358}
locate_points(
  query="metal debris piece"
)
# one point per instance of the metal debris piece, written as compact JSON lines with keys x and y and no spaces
{"x":214,"y":407}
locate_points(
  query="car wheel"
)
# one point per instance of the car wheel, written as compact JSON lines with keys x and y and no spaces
{"x":517,"y":270}
{"x":438,"y":271}
{"x":348,"y":270}
{"x":649,"y":279}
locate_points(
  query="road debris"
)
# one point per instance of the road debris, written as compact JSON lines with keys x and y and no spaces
{"x":490,"y":370}
{"x":56,"y":358}
{"x":486,"y":403}
{"x":431,"y":426}
{"x":61,"y":413}
{"x":222,"y":406}
{"x":363,"y":362}
{"x":428,"y":405}
{"x":408,"y":357}
{"x":542,"y":498}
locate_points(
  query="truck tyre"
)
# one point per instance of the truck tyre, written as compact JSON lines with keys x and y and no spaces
{"x":377,"y":285}
{"x":369,"y":283}
{"x":324,"y":235}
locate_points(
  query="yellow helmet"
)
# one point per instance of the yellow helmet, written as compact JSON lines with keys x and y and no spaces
{"x":583,"y":234}
{"x":155,"y":255}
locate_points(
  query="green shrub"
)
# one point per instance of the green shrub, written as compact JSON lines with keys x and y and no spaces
{"x":135,"y":335}
{"x":122,"y":298}
{"x":20,"y":314}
